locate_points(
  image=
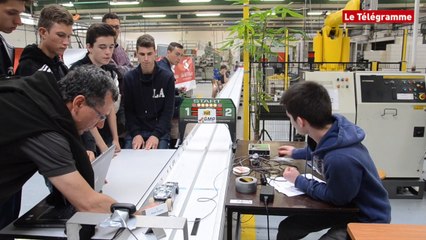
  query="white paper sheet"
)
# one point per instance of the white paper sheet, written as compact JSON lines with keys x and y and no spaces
{"x":288,"y":188}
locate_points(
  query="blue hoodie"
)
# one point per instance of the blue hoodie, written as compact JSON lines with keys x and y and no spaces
{"x":349,"y":172}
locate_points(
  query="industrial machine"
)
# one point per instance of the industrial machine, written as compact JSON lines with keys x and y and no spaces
{"x":391,"y":108}
{"x":332,"y":43}
{"x":340,"y":87}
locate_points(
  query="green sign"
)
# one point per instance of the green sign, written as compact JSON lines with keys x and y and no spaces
{"x":207,"y":110}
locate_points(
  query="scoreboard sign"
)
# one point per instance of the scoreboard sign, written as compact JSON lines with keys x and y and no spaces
{"x":207,"y":110}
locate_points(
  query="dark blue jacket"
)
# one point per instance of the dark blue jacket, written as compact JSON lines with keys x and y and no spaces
{"x":348,"y":170}
{"x":164,"y":63}
{"x":149,"y":100}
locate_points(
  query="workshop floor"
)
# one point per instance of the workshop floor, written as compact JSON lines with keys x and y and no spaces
{"x":406,"y":211}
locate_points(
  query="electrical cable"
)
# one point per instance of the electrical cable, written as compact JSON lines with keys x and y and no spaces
{"x":265,"y":201}
{"x":212,"y":199}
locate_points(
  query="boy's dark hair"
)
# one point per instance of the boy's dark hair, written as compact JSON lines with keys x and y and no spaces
{"x":146,"y":41}
{"x":174,"y":45}
{"x":52,"y":14}
{"x":223,"y":67}
{"x":110,"y":16}
{"x":308,"y":100}
{"x":98,"y":30}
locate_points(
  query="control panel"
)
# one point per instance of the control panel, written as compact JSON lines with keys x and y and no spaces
{"x":393,"y":88}
{"x":340,"y":87}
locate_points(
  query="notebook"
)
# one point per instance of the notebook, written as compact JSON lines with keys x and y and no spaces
{"x":49,"y":216}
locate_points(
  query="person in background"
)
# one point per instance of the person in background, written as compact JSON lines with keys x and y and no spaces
{"x":339,"y":157}
{"x":10,"y":19}
{"x":223,"y":76}
{"x":55,"y":30}
{"x":237,"y":65}
{"x":100,"y":46}
{"x":149,"y":99}
{"x":119,"y":56}
{"x":41,"y":133}
{"x":173,"y":57}
{"x":220,"y":77}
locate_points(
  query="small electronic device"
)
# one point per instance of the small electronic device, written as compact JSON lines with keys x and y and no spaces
{"x":262,"y":149}
{"x":166,"y":191}
{"x":267,"y":192}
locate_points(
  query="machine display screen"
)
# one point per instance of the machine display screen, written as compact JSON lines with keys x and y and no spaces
{"x":393,"y":88}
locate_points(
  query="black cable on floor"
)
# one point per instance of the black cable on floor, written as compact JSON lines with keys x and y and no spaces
{"x":265,"y":201}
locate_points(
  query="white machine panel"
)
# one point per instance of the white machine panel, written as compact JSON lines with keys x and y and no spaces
{"x":391,"y":108}
{"x":341,"y":88}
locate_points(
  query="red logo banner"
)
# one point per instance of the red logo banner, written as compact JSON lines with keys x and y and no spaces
{"x":184,"y":70}
{"x":378,"y":16}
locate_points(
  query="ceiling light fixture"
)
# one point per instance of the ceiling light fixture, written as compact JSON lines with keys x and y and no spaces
{"x":211,"y":14}
{"x":112,"y":3}
{"x":28,"y":21}
{"x":194,"y":1}
{"x":97,"y":17}
{"x":69,"y":4}
{"x":154,"y":15}
{"x":315,"y":13}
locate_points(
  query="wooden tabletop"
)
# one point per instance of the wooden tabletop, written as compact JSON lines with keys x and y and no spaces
{"x":282,"y":205}
{"x":373,"y":231}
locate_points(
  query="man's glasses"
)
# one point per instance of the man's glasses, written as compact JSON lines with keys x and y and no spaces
{"x":101,"y":116}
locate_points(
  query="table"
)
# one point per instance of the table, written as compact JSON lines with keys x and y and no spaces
{"x":282,"y":205}
{"x":130,"y":177}
{"x":367,"y":231}
{"x":200,"y":166}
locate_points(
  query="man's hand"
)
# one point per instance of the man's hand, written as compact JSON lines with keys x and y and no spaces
{"x":91,"y":155}
{"x":182,"y":89}
{"x":290,"y":174}
{"x":152,"y":143}
{"x":117,"y":145}
{"x":138,"y":142}
{"x":285,"y":151}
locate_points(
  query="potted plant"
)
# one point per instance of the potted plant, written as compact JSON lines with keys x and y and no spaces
{"x":257,"y":34}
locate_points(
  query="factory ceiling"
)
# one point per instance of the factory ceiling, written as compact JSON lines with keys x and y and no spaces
{"x":183,"y":16}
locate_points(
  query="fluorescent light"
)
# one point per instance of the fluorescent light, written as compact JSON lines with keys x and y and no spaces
{"x":28,"y":21}
{"x":273,"y":13}
{"x":97,"y":17}
{"x":69,"y":4}
{"x":211,"y":14}
{"x":193,"y":1}
{"x":153,"y":15}
{"x":124,"y":3}
{"x":315,"y":13}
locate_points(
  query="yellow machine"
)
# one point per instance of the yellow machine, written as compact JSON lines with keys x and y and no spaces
{"x":332,"y":44}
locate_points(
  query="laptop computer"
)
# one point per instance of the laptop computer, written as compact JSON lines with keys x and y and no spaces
{"x":49,"y":216}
